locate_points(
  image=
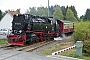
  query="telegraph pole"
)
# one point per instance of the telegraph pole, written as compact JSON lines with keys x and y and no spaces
{"x":48,"y":8}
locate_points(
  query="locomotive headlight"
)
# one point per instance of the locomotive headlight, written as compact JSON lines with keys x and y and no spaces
{"x":20,"y":31}
{"x":46,"y":27}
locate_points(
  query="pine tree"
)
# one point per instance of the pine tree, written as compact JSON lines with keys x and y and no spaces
{"x":74,"y":11}
{"x":51,"y":9}
{"x":58,"y":13}
{"x":87,"y":15}
{"x":70,"y":15}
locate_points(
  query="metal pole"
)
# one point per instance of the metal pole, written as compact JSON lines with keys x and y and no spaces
{"x":48,"y":8}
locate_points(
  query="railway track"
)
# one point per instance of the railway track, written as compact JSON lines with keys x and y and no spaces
{"x":3,"y":46}
{"x":34,"y":46}
{"x":8,"y":47}
{"x":39,"y":46}
{"x":27,"y":48}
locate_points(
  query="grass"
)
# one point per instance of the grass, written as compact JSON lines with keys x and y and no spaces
{"x":3,"y":41}
{"x":49,"y":51}
{"x":69,"y":53}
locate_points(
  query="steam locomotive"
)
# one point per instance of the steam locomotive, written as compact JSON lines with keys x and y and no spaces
{"x":27,"y":28}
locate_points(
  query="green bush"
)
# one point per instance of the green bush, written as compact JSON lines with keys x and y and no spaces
{"x":78,"y":36}
{"x":86,"y":47}
{"x":82,"y":33}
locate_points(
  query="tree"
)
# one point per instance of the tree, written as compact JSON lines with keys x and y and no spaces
{"x":31,"y":10}
{"x":41,"y":11}
{"x":45,"y":12}
{"x":0,"y":14}
{"x":66,"y":10}
{"x":70,"y":15}
{"x":74,"y":11}
{"x":82,"y":17}
{"x":58,"y":13}
{"x":63,"y":9}
{"x":18,"y":10}
{"x":87,"y":15}
{"x":27,"y":11}
{"x":51,"y":9}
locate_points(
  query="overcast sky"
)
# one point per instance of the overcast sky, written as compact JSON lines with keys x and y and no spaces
{"x":80,"y":5}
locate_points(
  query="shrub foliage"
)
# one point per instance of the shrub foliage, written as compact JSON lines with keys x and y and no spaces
{"x":86,"y":47}
{"x":82,"y":33}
